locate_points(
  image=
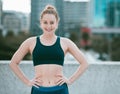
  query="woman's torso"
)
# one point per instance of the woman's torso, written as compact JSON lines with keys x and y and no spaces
{"x":49,"y":74}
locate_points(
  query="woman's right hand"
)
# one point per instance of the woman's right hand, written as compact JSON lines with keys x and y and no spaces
{"x":35,"y":82}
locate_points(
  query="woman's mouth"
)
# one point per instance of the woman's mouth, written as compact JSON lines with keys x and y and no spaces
{"x":49,"y":30}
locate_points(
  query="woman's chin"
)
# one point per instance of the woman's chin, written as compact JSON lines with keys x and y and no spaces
{"x":48,"y":31}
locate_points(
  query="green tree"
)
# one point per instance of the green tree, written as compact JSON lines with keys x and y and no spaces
{"x":116,"y":49}
{"x":10,"y":44}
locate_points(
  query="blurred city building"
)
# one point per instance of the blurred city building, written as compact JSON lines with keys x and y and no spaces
{"x":105,"y":13}
{"x":76,"y":14}
{"x":37,"y":7}
{"x":113,"y":14}
{"x":105,"y":26}
{"x":15,"y":21}
{"x":1,"y":16}
{"x":105,"y":17}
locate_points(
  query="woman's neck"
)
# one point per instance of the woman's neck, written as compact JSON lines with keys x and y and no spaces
{"x":48,"y":36}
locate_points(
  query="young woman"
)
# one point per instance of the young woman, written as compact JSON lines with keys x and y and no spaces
{"x":48,"y":51}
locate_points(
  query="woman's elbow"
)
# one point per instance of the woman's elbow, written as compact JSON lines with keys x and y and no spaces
{"x":12,"y":64}
{"x":86,"y":65}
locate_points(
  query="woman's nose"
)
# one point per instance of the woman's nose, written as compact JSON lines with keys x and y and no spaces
{"x":49,"y":26}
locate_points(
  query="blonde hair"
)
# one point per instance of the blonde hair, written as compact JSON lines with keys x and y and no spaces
{"x":49,"y":9}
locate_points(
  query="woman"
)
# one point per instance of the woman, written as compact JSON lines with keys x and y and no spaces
{"x":48,"y":51}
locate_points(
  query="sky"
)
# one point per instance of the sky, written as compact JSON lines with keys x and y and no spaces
{"x":21,"y":5}
{"x":17,"y":5}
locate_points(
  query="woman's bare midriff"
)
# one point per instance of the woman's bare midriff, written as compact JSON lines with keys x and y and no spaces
{"x":49,"y":74}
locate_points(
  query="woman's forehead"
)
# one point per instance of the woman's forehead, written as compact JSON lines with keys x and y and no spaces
{"x":49,"y":16}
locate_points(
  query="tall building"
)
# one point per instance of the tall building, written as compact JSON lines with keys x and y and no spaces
{"x":15,"y":21}
{"x":0,"y":14}
{"x":75,"y":14}
{"x":25,"y":19}
{"x":36,"y":8}
{"x":100,"y":12}
{"x":60,"y":8}
{"x":113,"y":14}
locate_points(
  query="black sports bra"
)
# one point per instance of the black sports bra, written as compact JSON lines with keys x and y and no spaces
{"x":48,"y":54}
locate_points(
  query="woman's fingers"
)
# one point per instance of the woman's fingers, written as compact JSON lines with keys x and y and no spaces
{"x":35,"y":85}
{"x":59,"y":82}
{"x":38,"y":82}
{"x":62,"y":81}
{"x":35,"y":82}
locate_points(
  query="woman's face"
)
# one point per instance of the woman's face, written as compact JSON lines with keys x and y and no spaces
{"x":49,"y":23}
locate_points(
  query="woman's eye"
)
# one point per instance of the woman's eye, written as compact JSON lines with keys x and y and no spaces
{"x":51,"y":22}
{"x":45,"y":22}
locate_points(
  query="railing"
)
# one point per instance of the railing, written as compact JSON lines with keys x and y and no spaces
{"x":99,"y":78}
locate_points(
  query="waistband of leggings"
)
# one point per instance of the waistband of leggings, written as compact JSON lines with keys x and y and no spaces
{"x":52,"y":88}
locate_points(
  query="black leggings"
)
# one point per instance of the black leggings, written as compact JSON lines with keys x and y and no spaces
{"x":63,"y":89}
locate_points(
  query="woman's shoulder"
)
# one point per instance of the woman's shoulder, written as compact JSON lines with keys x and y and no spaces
{"x":30,"y":39}
{"x":66,"y":40}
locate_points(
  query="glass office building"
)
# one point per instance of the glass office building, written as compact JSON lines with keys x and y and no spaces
{"x":106,"y":13}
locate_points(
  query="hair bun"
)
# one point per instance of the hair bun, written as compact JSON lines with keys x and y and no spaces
{"x":50,"y":7}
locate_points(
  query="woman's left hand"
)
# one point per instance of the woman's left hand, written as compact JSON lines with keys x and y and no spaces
{"x":62,"y":80}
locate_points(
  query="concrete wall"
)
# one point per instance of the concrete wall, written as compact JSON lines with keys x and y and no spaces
{"x":100,"y":78}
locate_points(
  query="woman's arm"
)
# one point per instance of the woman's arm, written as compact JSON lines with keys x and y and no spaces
{"x":70,"y":47}
{"x":78,"y":55}
{"x":17,"y":57}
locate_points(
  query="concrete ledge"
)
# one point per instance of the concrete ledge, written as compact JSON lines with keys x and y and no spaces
{"x":100,"y":78}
